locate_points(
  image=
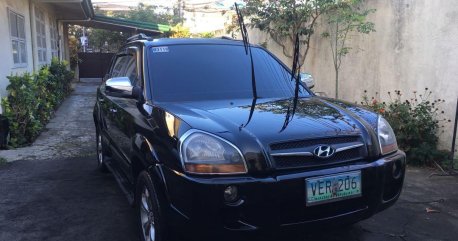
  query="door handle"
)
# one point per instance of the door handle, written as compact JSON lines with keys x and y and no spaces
{"x":113,"y":110}
{"x":101,"y":99}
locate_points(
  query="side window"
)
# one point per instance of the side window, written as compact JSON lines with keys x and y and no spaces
{"x":131,"y":69}
{"x":17,"y":32}
{"x":41,"y":36}
{"x":119,"y":64}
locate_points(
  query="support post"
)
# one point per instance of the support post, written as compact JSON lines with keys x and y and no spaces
{"x":454,"y":137}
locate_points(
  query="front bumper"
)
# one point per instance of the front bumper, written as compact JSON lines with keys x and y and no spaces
{"x":278,"y":202}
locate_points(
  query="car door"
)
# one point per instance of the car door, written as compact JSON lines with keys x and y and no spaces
{"x":110,"y":108}
{"x":124,"y":110}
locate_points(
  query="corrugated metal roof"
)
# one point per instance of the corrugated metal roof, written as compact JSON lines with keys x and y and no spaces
{"x":160,"y":28}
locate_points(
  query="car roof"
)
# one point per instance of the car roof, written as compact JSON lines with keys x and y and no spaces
{"x":190,"y":41}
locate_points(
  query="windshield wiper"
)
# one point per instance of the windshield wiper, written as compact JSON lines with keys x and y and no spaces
{"x":246,"y":44}
{"x":295,"y":75}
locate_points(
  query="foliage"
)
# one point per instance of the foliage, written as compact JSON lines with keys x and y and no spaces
{"x":178,"y":31}
{"x":207,"y":35}
{"x":20,"y":108}
{"x":283,"y":19}
{"x":343,"y":19}
{"x":149,"y":13}
{"x":416,"y":123}
{"x":110,"y":41}
{"x":32,"y":99}
{"x":106,"y":40}
{"x":73,"y":46}
{"x":233,"y":27}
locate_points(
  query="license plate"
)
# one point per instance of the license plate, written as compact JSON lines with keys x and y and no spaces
{"x":326,"y":189}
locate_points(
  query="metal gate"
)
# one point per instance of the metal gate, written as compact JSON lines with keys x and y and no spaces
{"x":94,"y":65}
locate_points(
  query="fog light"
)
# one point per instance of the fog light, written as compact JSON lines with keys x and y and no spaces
{"x":231,"y":194}
{"x":397,"y":169}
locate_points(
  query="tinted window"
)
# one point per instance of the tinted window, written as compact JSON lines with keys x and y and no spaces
{"x":131,"y":69}
{"x":208,"y":72}
{"x":118,"y":68}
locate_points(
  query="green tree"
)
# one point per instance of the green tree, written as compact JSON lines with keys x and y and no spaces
{"x":178,"y":31}
{"x":149,"y":13}
{"x":283,"y":19}
{"x":343,"y":19}
{"x":106,"y":40}
{"x":207,"y":35}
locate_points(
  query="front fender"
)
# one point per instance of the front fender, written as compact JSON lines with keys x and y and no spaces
{"x":146,"y":159}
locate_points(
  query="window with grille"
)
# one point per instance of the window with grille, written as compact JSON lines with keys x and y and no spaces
{"x":54,"y":38}
{"x":41,"y":36}
{"x":18,"y":41}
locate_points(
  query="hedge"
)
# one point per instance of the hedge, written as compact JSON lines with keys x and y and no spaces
{"x":32,"y":100}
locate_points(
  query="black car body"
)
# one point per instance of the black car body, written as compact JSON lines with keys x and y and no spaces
{"x":177,"y":92}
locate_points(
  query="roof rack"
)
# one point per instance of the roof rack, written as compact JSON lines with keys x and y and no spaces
{"x":227,"y":38}
{"x":140,"y":36}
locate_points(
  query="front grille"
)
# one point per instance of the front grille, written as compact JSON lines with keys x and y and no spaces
{"x":313,"y":142}
{"x":287,"y":162}
{"x":305,"y":161}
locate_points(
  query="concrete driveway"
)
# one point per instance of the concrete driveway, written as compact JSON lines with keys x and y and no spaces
{"x":64,"y":198}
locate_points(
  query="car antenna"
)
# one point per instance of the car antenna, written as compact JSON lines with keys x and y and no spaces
{"x":294,"y":76}
{"x":246,"y":45}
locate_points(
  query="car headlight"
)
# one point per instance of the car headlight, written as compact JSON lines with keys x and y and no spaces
{"x":386,"y":137}
{"x":204,"y":153}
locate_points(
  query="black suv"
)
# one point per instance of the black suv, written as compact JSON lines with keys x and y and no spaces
{"x":179,"y":128}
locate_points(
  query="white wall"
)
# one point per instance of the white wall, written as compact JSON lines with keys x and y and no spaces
{"x":415,"y":46}
{"x":7,"y":65}
{"x":23,"y":8}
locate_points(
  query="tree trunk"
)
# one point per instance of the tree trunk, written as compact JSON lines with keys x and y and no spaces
{"x":337,"y":84}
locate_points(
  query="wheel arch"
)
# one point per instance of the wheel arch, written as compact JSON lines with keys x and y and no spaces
{"x":144,"y":158}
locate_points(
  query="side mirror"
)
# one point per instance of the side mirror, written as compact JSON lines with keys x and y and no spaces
{"x":307,"y":80}
{"x":121,"y":87}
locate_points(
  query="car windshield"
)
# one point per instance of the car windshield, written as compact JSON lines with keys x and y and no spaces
{"x":216,"y":72}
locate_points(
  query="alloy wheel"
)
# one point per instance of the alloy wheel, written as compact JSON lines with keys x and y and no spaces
{"x":99,"y":149}
{"x":147,"y":216}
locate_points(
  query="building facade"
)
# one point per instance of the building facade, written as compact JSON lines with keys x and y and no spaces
{"x":33,"y":32}
{"x":30,"y":36}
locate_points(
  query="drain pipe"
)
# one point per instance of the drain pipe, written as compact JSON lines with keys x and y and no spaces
{"x":32,"y":33}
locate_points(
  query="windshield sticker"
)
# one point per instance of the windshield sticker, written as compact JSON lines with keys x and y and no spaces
{"x":163,"y":49}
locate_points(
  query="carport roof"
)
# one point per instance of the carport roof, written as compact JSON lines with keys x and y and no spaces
{"x":112,"y":23}
{"x":81,"y":12}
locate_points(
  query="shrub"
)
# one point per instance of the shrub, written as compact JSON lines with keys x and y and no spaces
{"x":32,"y":99}
{"x":20,"y":108}
{"x":416,"y":123}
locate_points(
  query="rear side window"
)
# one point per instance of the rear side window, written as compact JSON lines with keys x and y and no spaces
{"x":119,"y":65}
{"x":210,"y":72}
{"x":126,"y":66}
{"x":131,"y":69}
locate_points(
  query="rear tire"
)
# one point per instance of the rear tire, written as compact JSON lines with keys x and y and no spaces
{"x":101,"y":153}
{"x":151,"y":222}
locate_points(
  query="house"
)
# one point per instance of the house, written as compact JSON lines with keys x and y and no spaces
{"x":35,"y":31}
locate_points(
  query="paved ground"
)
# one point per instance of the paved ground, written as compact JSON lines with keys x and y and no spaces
{"x":64,"y":198}
{"x":69,"y":134}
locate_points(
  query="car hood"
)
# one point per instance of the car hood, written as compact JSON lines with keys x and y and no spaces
{"x":269,"y":120}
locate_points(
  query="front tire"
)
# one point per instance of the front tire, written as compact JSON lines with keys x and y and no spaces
{"x":151,"y":220}
{"x":101,"y":153}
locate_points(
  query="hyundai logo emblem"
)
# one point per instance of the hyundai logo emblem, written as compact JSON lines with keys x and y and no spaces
{"x":324,"y":151}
